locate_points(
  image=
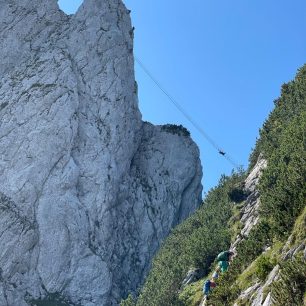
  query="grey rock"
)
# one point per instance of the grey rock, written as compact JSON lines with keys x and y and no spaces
{"x":258,"y":296}
{"x":253,"y":178}
{"x":249,"y":292}
{"x":249,"y":212}
{"x":301,"y":247}
{"x":192,"y":276}
{"x":293,"y":251}
{"x":255,"y":293}
{"x":203,"y":301}
{"x":273,"y":276}
{"x":268,"y":300}
{"x":87,"y":190}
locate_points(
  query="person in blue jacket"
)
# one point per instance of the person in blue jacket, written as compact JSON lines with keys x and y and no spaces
{"x":208,"y":285}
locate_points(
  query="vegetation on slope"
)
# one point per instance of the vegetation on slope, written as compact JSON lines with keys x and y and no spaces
{"x":194,"y":243}
{"x":282,"y":185}
{"x":290,"y":288}
{"x":198,"y":240}
{"x":288,"y":106}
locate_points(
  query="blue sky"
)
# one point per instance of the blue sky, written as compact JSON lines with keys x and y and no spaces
{"x":223,"y":61}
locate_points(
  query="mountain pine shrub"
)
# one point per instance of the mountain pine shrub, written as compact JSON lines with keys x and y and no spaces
{"x":290,"y":287}
{"x":194,"y":243}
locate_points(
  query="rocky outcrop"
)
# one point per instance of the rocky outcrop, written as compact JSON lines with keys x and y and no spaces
{"x":249,"y":212}
{"x":259,"y":292}
{"x":192,"y":276}
{"x":87,"y":190}
{"x":255,"y":294}
{"x":249,"y":218}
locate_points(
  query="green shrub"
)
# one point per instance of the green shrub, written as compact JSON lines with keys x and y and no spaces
{"x":196,"y":242}
{"x":283,"y":183}
{"x":52,"y":299}
{"x":290,"y":287}
{"x":192,"y":294}
{"x":175,"y":129}
{"x":248,"y":250}
{"x":129,"y":301}
{"x":264,"y":265}
{"x":237,"y":194}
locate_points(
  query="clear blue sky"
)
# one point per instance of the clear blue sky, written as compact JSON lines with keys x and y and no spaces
{"x":224,"y":61}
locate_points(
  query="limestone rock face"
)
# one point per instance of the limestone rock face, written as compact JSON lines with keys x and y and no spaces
{"x":249,"y":212}
{"x":87,"y":190}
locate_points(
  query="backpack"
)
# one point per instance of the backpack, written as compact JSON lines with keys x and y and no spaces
{"x":207,"y":285}
{"x":223,"y":256}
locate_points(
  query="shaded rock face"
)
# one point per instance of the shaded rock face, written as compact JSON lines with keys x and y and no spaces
{"x":87,"y":190}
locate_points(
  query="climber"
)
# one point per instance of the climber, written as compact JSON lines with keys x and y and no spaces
{"x":225,"y":256}
{"x":215,"y":274}
{"x":223,"y":264}
{"x":224,"y":259}
{"x":208,"y":285}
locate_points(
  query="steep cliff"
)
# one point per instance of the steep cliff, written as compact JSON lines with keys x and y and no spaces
{"x":87,"y":190}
